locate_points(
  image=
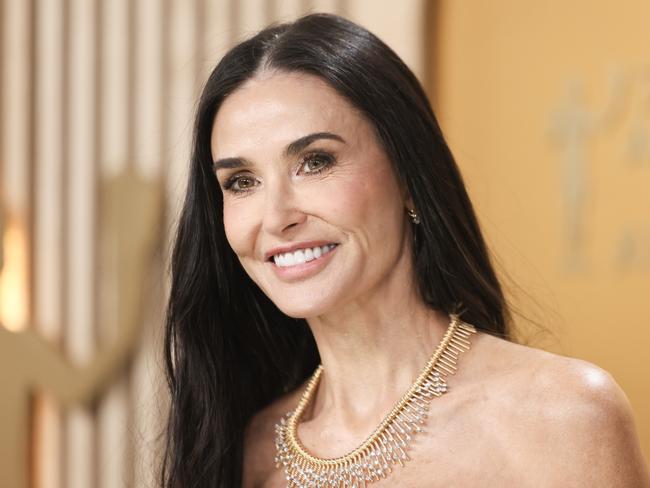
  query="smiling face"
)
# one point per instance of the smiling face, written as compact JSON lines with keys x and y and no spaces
{"x":311,"y":204}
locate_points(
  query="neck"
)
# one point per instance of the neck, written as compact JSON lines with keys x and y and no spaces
{"x":372,"y":350}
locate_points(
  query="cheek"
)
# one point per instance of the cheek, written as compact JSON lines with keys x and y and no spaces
{"x":238,"y":227}
{"x":371,"y":200}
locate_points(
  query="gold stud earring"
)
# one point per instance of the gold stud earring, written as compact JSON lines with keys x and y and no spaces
{"x":415,"y":218}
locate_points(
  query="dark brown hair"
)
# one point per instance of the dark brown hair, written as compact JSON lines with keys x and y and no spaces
{"x":229,"y":350}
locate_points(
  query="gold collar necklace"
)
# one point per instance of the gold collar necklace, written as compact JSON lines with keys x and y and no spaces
{"x":388,"y":444}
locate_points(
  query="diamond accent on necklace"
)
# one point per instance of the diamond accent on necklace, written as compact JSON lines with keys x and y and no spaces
{"x":387,"y":446}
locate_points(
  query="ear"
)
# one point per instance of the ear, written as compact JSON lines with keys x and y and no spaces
{"x":408,"y":200}
{"x":409,"y":203}
{"x":406,"y":196}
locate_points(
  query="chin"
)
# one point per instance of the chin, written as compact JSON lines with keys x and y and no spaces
{"x":304,"y":307}
{"x":302,"y":310}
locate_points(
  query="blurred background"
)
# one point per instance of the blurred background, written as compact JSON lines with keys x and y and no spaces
{"x":546,"y":106}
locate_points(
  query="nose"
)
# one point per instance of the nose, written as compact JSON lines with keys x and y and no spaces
{"x":282,"y":208}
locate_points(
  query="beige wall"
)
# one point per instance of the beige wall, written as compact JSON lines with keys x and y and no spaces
{"x":88,"y":90}
{"x":546,"y":106}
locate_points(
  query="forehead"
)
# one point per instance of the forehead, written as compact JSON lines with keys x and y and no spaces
{"x":277,"y":108}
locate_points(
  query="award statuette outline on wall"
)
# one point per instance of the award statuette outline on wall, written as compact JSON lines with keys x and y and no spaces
{"x":576,"y":130}
{"x":131,"y":218}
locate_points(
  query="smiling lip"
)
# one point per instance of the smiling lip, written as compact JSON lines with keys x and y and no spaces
{"x":294,"y":247}
{"x":303,"y":270}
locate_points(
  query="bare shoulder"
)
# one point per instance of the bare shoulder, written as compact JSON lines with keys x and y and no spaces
{"x":259,"y":468}
{"x":570,"y":421}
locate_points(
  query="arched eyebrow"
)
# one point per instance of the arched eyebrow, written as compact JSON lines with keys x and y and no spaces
{"x":292,"y":149}
{"x":299,"y":144}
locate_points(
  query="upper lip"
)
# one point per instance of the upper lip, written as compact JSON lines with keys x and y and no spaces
{"x":292,"y":247}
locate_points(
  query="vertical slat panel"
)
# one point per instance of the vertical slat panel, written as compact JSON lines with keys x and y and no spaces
{"x":3,"y":164}
{"x":199,"y":45}
{"x":47,"y":241}
{"x":147,"y":385}
{"x":166,"y":89}
{"x":182,"y":97}
{"x":62,"y":182}
{"x":148,"y":77}
{"x":79,"y":338}
{"x":115,"y":85}
{"x":16,"y":82}
{"x":47,"y":459}
{"x":15,"y":179}
{"x":81,"y":182}
{"x":149,"y":84}
{"x":114,"y":148}
{"x":31,"y":129}
{"x":16,"y":119}
{"x":49,"y":164}
{"x":113,"y":439}
{"x":286,"y":10}
{"x":218,"y":32}
{"x":252,"y":16}
{"x":166,"y":131}
{"x":330,"y":6}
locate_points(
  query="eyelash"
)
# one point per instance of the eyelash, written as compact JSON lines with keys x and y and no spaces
{"x":326,"y":159}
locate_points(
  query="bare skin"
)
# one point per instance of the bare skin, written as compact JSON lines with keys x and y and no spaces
{"x":514,"y":416}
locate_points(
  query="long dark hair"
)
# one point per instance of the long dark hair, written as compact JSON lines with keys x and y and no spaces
{"x":229,"y":350}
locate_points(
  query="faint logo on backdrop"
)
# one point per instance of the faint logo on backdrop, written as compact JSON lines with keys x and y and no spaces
{"x":575,"y":128}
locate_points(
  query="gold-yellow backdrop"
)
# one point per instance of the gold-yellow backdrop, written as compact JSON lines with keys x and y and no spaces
{"x":546,"y":106}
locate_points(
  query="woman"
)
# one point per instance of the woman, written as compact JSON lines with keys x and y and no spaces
{"x":328,"y":278}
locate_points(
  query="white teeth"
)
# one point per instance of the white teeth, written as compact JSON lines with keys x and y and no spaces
{"x":301,"y":256}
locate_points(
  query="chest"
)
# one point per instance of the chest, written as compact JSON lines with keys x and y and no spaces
{"x":466,"y":455}
{"x":469,"y":440}
{"x":438,"y":473}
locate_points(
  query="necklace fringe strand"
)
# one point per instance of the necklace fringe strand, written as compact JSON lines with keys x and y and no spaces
{"x":387,"y":446}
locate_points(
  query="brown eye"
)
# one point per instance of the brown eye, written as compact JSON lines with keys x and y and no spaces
{"x":313,"y":165}
{"x":243,"y":183}
{"x":239,"y":183}
{"x":316,"y":163}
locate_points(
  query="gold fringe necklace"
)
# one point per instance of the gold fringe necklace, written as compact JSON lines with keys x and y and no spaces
{"x":388,"y":444}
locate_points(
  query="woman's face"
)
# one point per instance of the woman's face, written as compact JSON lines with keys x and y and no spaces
{"x":311,"y":205}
